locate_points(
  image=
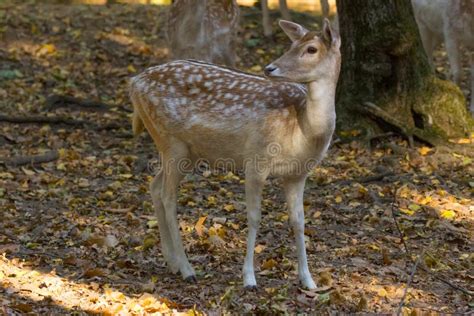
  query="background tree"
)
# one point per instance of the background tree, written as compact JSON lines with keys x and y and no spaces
{"x":386,"y":77}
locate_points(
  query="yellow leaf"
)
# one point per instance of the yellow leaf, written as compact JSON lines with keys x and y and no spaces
{"x":268,"y":264}
{"x":426,"y":200}
{"x":259,"y":248}
{"x":148,"y":243}
{"x":199,"y":226}
{"x":211,"y":201}
{"x":382,"y":292}
{"x":126,"y":175}
{"x":414,"y":207}
{"x":147,"y":300}
{"x":424,"y":150}
{"x":374,"y":247}
{"x":6,"y":175}
{"x":115,"y":309}
{"x":338,"y":199}
{"x":448,"y":214}
{"x":229,"y":207}
{"x":460,"y":141}
{"x":131,"y":69}
{"x":115,"y":295}
{"x":256,"y":68}
{"x":152,"y":223}
{"x":62,"y":153}
{"x":234,"y":226}
{"x":47,"y":49}
{"x":407,"y":211}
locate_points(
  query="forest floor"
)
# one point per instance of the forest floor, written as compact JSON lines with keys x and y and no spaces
{"x":386,"y":225}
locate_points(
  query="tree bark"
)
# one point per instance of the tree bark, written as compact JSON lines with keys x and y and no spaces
{"x":386,"y":79}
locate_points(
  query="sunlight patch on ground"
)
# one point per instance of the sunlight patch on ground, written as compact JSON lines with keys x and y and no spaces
{"x":38,"y":286}
{"x":440,"y":202}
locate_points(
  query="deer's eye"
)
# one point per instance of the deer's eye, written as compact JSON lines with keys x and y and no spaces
{"x":312,"y":50}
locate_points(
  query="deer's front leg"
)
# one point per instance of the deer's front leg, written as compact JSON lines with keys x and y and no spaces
{"x":294,"y":189}
{"x":254,"y":183}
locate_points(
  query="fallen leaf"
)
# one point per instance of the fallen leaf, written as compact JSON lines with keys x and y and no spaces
{"x":269,"y":264}
{"x":424,"y":150}
{"x":111,"y":241}
{"x":447,"y":214}
{"x":259,"y":248}
{"x":199,"y":226}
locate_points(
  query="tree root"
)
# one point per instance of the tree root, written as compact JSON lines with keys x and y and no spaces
{"x":373,"y":178}
{"x":58,"y":101}
{"x":41,"y":120}
{"x":410,"y":280}
{"x":372,"y":109}
{"x":61,"y":120}
{"x":31,"y":159}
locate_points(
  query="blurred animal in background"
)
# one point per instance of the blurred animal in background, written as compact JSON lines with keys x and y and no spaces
{"x":267,"y":23}
{"x":203,"y":30}
{"x":451,"y":22}
{"x":325,"y":8}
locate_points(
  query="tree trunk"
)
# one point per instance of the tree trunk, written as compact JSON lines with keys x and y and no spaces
{"x":386,"y":79}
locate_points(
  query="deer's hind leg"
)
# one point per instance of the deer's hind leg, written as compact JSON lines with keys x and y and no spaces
{"x":165,"y":235}
{"x":174,"y":160}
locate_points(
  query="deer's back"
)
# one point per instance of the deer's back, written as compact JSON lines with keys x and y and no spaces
{"x":192,"y":101}
{"x":189,"y":94}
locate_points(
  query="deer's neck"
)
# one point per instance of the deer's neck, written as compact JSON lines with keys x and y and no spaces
{"x":319,"y":116}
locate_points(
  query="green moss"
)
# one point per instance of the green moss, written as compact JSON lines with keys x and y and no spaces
{"x":442,"y":107}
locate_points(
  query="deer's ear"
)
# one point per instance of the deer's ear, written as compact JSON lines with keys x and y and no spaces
{"x":293,"y":30}
{"x":330,"y":36}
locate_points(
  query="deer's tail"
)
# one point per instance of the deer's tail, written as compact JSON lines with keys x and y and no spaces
{"x":137,"y":123}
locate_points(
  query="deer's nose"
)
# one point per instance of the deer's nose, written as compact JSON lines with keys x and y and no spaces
{"x":269,"y":69}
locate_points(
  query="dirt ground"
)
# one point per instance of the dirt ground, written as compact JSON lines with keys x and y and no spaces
{"x":387,"y":226}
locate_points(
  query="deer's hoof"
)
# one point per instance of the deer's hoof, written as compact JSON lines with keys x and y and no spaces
{"x":191,"y":279}
{"x":252,"y":288}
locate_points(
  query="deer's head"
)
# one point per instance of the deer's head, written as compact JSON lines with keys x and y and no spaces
{"x":312,"y":56}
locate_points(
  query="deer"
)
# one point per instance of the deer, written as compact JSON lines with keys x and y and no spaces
{"x":451,"y":22}
{"x":278,"y":125}
{"x":203,"y":29}
{"x":266,"y":22}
